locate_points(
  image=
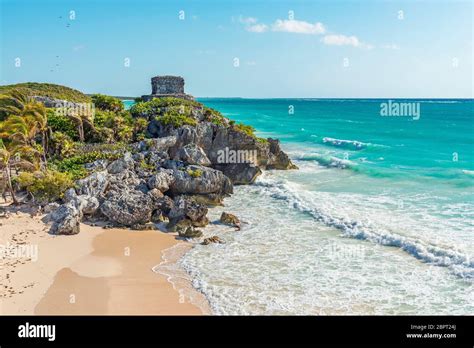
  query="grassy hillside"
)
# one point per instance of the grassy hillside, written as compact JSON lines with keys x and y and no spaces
{"x":48,"y":90}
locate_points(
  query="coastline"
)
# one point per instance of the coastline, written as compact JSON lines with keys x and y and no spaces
{"x":95,"y":272}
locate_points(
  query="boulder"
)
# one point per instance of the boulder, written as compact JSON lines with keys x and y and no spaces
{"x":185,"y":208}
{"x":200,"y":180}
{"x":190,"y":232}
{"x":122,"y":164}
{"x":93,"y":185}
{"x":280,"y":160}
{"x":49,"y":208}
{"x":240,"y":173}
{"x":213,"y":239}
{"x":193,"y":154}
{"x":66,"y":219}
{"x":161,"y":144}
{"x":162,"y":180}
{"x":230,"y":219}
{"x":127,"y":208}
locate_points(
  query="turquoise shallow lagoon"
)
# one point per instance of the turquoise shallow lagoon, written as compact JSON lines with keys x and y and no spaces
{"x":378,"y":220}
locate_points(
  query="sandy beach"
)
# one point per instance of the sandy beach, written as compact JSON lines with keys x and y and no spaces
{"x":98,"y":271}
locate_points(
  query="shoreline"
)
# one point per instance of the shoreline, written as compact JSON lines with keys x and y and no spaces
{"x":96,"y":272}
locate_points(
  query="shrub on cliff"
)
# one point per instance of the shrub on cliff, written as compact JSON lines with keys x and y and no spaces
{"x":63,"y":124}
{"x":157,"y":106}
{"x":75,"y":165}
{"x":214,"y":116}
{"x":176,"y":119}
{"x":246,"y":129}
{"x":45,"y":186}
{"x":107,"y":103}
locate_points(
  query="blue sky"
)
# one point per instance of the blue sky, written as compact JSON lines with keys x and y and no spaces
{"x":320,"y":49}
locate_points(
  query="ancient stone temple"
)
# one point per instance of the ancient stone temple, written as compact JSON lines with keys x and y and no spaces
{"x":167,"y":86}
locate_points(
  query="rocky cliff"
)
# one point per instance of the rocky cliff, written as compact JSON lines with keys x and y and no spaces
{"x":191,"y":160}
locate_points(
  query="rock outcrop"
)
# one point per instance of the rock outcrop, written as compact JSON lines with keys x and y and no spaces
{"x":172,"y":176}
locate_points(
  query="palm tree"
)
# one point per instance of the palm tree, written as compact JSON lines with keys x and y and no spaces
{"x":11,"y":157}
{"x":5,"y":158}
{"x":27,"y":118}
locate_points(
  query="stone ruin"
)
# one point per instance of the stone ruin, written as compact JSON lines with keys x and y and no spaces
{"x":167,"y":86}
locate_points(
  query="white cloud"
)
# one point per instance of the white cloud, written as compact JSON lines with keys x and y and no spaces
{"x":298,"y":27}
{"x":391,"y":46}
{"x":341,"y":40}
{"x":257,"y":28}
{"x":247,"y":20}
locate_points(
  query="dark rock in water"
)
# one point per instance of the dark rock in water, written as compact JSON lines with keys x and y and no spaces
{"x":193,"y":154}
{"x":190,"y":232}
{"x":213,"y":239}
{"x":128,"y":208}
{"x":280,"y":159}
{"x":240,"y":173}
{"x":230,"y":219}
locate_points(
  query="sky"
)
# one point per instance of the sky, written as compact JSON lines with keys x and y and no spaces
{"x":240,"y":48}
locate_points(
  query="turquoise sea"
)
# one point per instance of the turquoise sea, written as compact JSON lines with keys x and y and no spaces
{"x":378,"y":219}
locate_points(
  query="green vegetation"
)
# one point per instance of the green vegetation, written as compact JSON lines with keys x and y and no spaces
{"x":47,"y":185}
{"x":62,"y":124}
{"x":196,"y":173}
{"x":107,"y":103}
{"x":146,"y":166}
{"x":47,"y":90}
{"x":75,"y":165}
{"x":157,"y":106}
{"x":176,"y":119}
{"x":214,"y":116}
{"x":246,"y":129}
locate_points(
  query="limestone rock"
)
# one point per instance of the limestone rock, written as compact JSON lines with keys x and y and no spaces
{"x":185,"y":208}
{"x":193,"y":154}
{"x":190,"y":232}
{"x":213,"y":239}
{"x":93,"y":185}
{"x":162,"y":180}
{"x":240,"y":173}
{"x":128,"y":208}
{"x":66,"y":219}
{"x":230,"y":219}
{"x":200,"y":180}
{"x":122,"y":164}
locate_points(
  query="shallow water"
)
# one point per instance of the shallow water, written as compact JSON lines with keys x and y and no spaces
{"x":391,"y":233}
